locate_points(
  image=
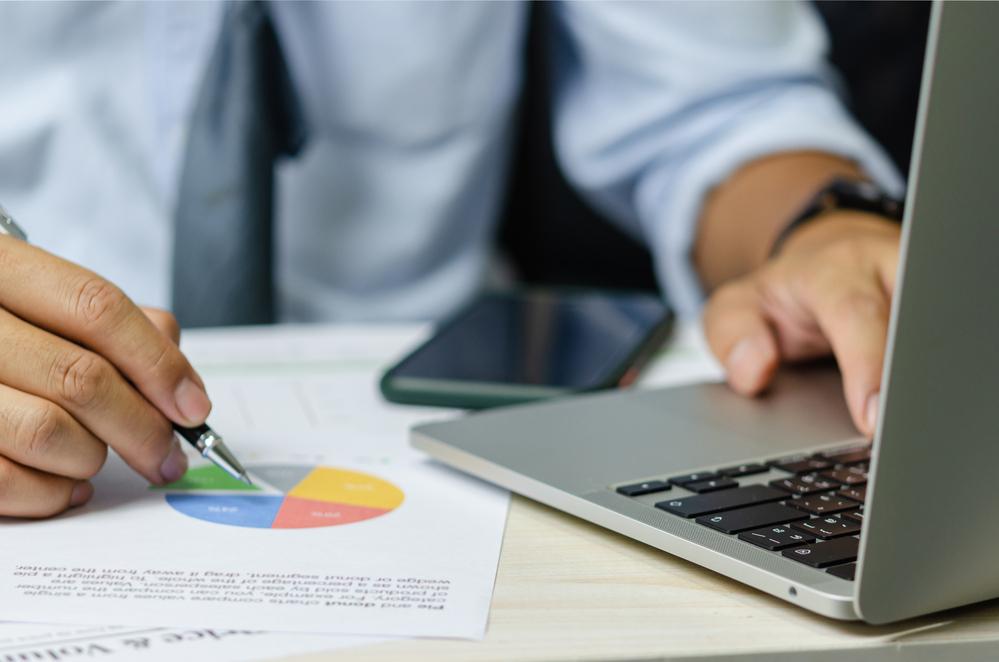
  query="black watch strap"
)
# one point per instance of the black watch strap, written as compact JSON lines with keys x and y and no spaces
{"x":848,"y":194}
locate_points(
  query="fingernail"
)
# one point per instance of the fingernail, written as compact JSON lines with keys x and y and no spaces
{"x":192,"y":402}
{"x":82,"y":492}
{"x":745,"y":362}
{"x":175,"y":465}
{"x":871,"y":412}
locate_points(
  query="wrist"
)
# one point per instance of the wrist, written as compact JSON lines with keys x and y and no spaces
{"x":842,"y":194}
{"x":743,"y":215}
{"x":834,"y":226}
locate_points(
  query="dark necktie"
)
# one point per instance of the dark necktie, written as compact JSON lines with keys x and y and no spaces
{"x":245,"y":117}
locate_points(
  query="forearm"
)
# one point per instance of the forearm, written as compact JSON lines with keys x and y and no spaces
{"x":743,"y":216}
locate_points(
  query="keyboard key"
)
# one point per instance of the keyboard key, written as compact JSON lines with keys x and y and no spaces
{"x":846,"y":572}
{"x":776,"y":538}
{"x":804,"y":485}
{"x":855,"y":493}
{"x":743,"y":519}
{"x":693,"y":478}
{"x":847,"y":475}
{"x":743,"y":470}
{"x":716,"y":502}
{"x":823,"y":504}
{"x":825,"y":554}
{"x":855,"y":515}
{"x":825,"y":528}
{"x":848,"y":456}
{"x":648,"y":487}
{"x":802,"y":465}
{"x":711,"y":485}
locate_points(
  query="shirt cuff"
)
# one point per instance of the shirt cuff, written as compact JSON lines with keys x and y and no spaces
{"x":669,"y":201}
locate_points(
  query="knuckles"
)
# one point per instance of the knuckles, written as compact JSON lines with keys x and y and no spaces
{"x":97,"y":302}
{"x":38,"y":430}
{"x":80,"y":378}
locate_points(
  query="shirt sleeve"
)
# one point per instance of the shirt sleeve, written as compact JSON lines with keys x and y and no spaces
{"x":656,"y":103}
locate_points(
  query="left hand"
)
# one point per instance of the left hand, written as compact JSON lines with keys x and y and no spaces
{"x":829,"y":289}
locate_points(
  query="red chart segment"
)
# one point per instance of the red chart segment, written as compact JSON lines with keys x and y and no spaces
{"x":297,"y":513}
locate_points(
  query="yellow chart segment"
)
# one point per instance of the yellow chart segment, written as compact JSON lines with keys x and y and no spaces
{"x":348,"y":487}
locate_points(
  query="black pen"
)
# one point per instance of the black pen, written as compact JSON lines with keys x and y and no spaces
{"x":209,"y":444}
{"x":205,"y":440}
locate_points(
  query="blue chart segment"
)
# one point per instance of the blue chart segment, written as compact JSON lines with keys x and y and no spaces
{"x":255,"y":511}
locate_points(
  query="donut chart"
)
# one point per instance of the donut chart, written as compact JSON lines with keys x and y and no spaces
{"x":283,"y":497}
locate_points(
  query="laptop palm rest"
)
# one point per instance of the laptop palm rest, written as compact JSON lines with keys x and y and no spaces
{"x":589,"y":442}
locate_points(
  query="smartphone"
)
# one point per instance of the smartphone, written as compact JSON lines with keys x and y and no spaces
{"x":507,"y":348}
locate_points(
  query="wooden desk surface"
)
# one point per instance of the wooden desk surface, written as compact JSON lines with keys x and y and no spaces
{"x":570,"y":590}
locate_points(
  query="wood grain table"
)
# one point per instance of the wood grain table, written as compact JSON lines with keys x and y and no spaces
{"x":570,"y":590}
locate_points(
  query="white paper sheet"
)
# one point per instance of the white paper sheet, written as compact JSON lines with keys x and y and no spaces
{"x":263,"y":382}
{"x":20,"y":642}
{"x":300,"y":398}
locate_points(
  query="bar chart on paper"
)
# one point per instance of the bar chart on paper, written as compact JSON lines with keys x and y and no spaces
{"x":283,"y":497}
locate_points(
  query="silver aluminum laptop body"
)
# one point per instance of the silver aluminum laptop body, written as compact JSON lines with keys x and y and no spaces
{"x":931,"y":524}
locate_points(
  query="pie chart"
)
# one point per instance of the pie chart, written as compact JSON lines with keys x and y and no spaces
{"x":283,"y":497}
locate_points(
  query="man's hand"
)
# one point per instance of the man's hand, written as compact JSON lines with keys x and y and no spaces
{"x":81,"y":369}
{"x":828,"y":290}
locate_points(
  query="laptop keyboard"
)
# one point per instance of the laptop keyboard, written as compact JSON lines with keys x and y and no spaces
{"x":808,"y":508}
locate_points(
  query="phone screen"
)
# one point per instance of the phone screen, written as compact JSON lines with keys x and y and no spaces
{"x":571,"y":341}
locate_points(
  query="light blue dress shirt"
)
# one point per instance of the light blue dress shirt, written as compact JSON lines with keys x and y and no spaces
{"x":391,"y":211}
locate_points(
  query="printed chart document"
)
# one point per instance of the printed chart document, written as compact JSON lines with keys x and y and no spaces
{"x":346,"y":531}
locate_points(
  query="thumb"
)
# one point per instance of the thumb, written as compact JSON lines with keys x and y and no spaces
{"x":164,"y":321}
{"x":741,"y":338}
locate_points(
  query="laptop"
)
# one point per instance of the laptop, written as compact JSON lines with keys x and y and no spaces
{"x":778,"y":492}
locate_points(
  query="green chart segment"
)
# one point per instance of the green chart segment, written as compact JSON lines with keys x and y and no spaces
{"x":298,"y":497}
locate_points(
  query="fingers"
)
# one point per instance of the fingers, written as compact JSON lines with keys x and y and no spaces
{"x":90,"y":389}
{"x":27,"y":492}
{"x":851,"y":311}
{"x":76,"y":304}
{"x":46,"y":457}
{"x":39,"y":434}
{"x":740,"y":336}
{"x":829,"y":289}
{"x":853,"y":314}
{"x":167,"y":324}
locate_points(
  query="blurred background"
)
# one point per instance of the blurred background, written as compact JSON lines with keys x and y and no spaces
{"x":553,"y":237}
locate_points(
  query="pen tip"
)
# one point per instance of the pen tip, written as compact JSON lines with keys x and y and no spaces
{"x":246,"y":479}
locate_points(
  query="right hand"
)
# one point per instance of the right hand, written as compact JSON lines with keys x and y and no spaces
{"x":83,"y":368}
